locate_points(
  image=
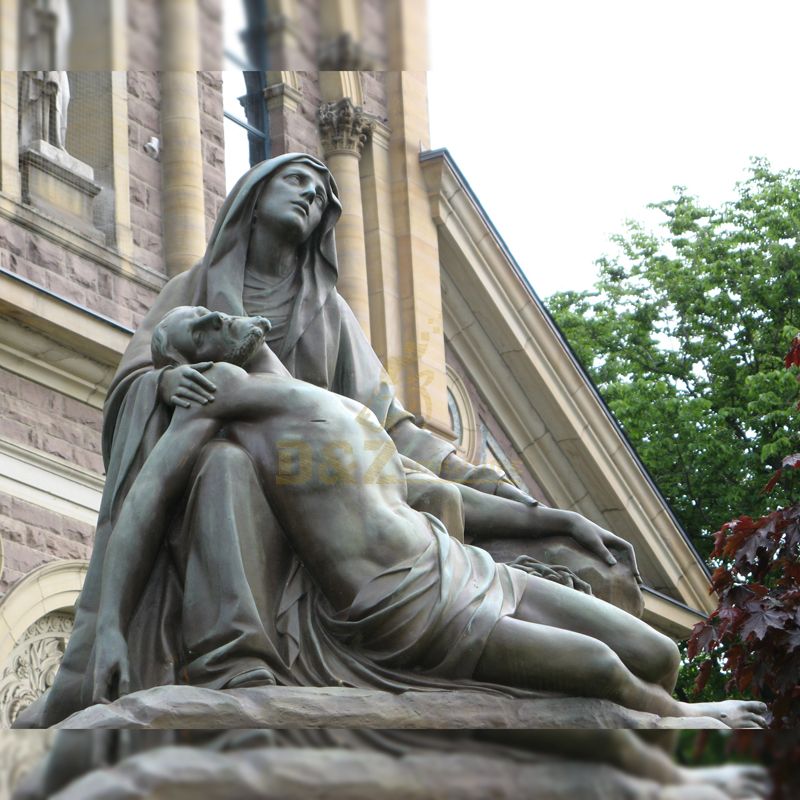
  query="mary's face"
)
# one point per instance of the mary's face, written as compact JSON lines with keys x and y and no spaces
{"x":293,"y":201}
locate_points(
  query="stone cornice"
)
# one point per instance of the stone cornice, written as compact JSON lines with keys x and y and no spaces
{"x":49,"y":482}
{"x":548,"y":405}
{"x":343,"y":127}
{"x":57,"y":343}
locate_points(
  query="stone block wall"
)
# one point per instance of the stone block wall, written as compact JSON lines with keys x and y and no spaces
{"x":75,"y":277}
{"x":374,"y":84}
{"x":210,"y":96}
{"x":144,"y":101}
{"x":297,"y":132}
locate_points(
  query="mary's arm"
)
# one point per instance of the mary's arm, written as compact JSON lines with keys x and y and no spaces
{"x":137,"y":360}
{"x":361,"y":375}
{"x":132,"y":547}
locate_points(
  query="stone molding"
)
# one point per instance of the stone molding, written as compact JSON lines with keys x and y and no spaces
{"x":54,"y":586}
{"x":66,"y":237}
{"x":552,"y":415}
{"x":60,"y":185}
{"x":47,"y":361}
{"x":344,"y":53}
{"x":49,"y":482}
{"x":61,"y":165}
{"x":57,"y":343}
{"x":19,"y":754}
{"x":32,"y":666}
{"x":343,"y":128}
{"x":470,"y":430}
{"x":285,"y":95}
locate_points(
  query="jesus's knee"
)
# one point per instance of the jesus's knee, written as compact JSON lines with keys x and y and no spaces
{"x":608,"y":676}
{"x":665,"y":661}
{"x":222,"y":461}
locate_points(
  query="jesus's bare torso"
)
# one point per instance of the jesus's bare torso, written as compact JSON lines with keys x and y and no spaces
{"x":331,"y":473}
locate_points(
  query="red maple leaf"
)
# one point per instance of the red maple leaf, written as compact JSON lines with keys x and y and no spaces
{"x":760,"y":620}
{"x":793,"y":356}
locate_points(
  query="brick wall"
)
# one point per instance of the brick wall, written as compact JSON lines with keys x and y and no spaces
{"x":298,"y":133}
{"x":144,"y":34}
{"x":144,"y":102}
{"x":210,"y":13}
{"x":373,"y":31}
{"x":210,"y":91}
{"x":307,"y":21}
{"x":39,"y":417}
{"x":73,"y":276}
{"x":32,"y":535}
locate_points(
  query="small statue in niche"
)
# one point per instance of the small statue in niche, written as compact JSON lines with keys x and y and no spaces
{"x":43,"y":93}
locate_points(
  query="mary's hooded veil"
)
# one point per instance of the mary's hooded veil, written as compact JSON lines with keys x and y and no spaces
{"x":324,"y":345}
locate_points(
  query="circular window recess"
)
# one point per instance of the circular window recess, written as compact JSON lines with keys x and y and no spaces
{"x":463,"y":419}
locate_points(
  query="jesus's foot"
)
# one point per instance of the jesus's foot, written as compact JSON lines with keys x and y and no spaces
{"x":734,"y":713}
{"x":258,"y":676}
{"x":735,"y":780}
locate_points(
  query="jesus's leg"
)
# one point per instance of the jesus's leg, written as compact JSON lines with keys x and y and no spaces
{"x":647,"y":653}
{"x":563,"y":641}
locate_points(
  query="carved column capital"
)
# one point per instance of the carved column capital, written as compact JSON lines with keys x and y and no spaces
{"x":343,"y":127}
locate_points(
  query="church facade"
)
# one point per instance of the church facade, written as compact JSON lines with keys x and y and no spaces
{"x":111,"y":175}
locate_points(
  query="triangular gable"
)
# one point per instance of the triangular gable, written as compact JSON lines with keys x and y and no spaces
{"x":547,"y":404}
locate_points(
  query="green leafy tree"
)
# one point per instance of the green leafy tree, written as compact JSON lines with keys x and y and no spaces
{"x":684,"y":335}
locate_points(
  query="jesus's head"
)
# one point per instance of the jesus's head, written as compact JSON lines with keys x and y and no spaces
{"x":190,"y":334}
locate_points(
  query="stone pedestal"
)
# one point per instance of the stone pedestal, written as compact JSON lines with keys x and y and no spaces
{"x":296,"y":707}
{"x":60,"y":185}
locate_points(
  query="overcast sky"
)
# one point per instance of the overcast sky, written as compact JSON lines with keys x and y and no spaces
{"x":569,"y":117}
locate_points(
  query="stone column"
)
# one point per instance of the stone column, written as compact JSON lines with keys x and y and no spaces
{"x":181,"y":146}
{"x":344,"y":129}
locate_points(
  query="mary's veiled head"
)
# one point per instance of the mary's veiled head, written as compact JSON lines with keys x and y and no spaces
{"x":239,"y":211}
{"x":227,"y":251}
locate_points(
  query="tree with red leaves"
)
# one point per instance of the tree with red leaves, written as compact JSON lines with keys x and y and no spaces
{"x":755,"y":631}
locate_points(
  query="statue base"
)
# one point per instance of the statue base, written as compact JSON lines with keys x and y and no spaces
{"x":297,"y":707}
{"x":278,"y":742}
{"x":60,"y":185}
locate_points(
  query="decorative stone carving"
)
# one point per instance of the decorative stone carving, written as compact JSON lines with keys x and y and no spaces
{"x":43,"y":93}
{"x":52,"y":180}
{"x":344,"y":128}
{"x":33,"y":664}
{"x":345,"y":53}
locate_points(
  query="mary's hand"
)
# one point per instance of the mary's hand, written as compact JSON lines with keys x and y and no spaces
{"x":185,"y":384}
{"x":601,"y":542}
{"x":111,"y":667}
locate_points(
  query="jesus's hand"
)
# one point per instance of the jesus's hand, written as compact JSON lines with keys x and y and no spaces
{"x":185,"y":384}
